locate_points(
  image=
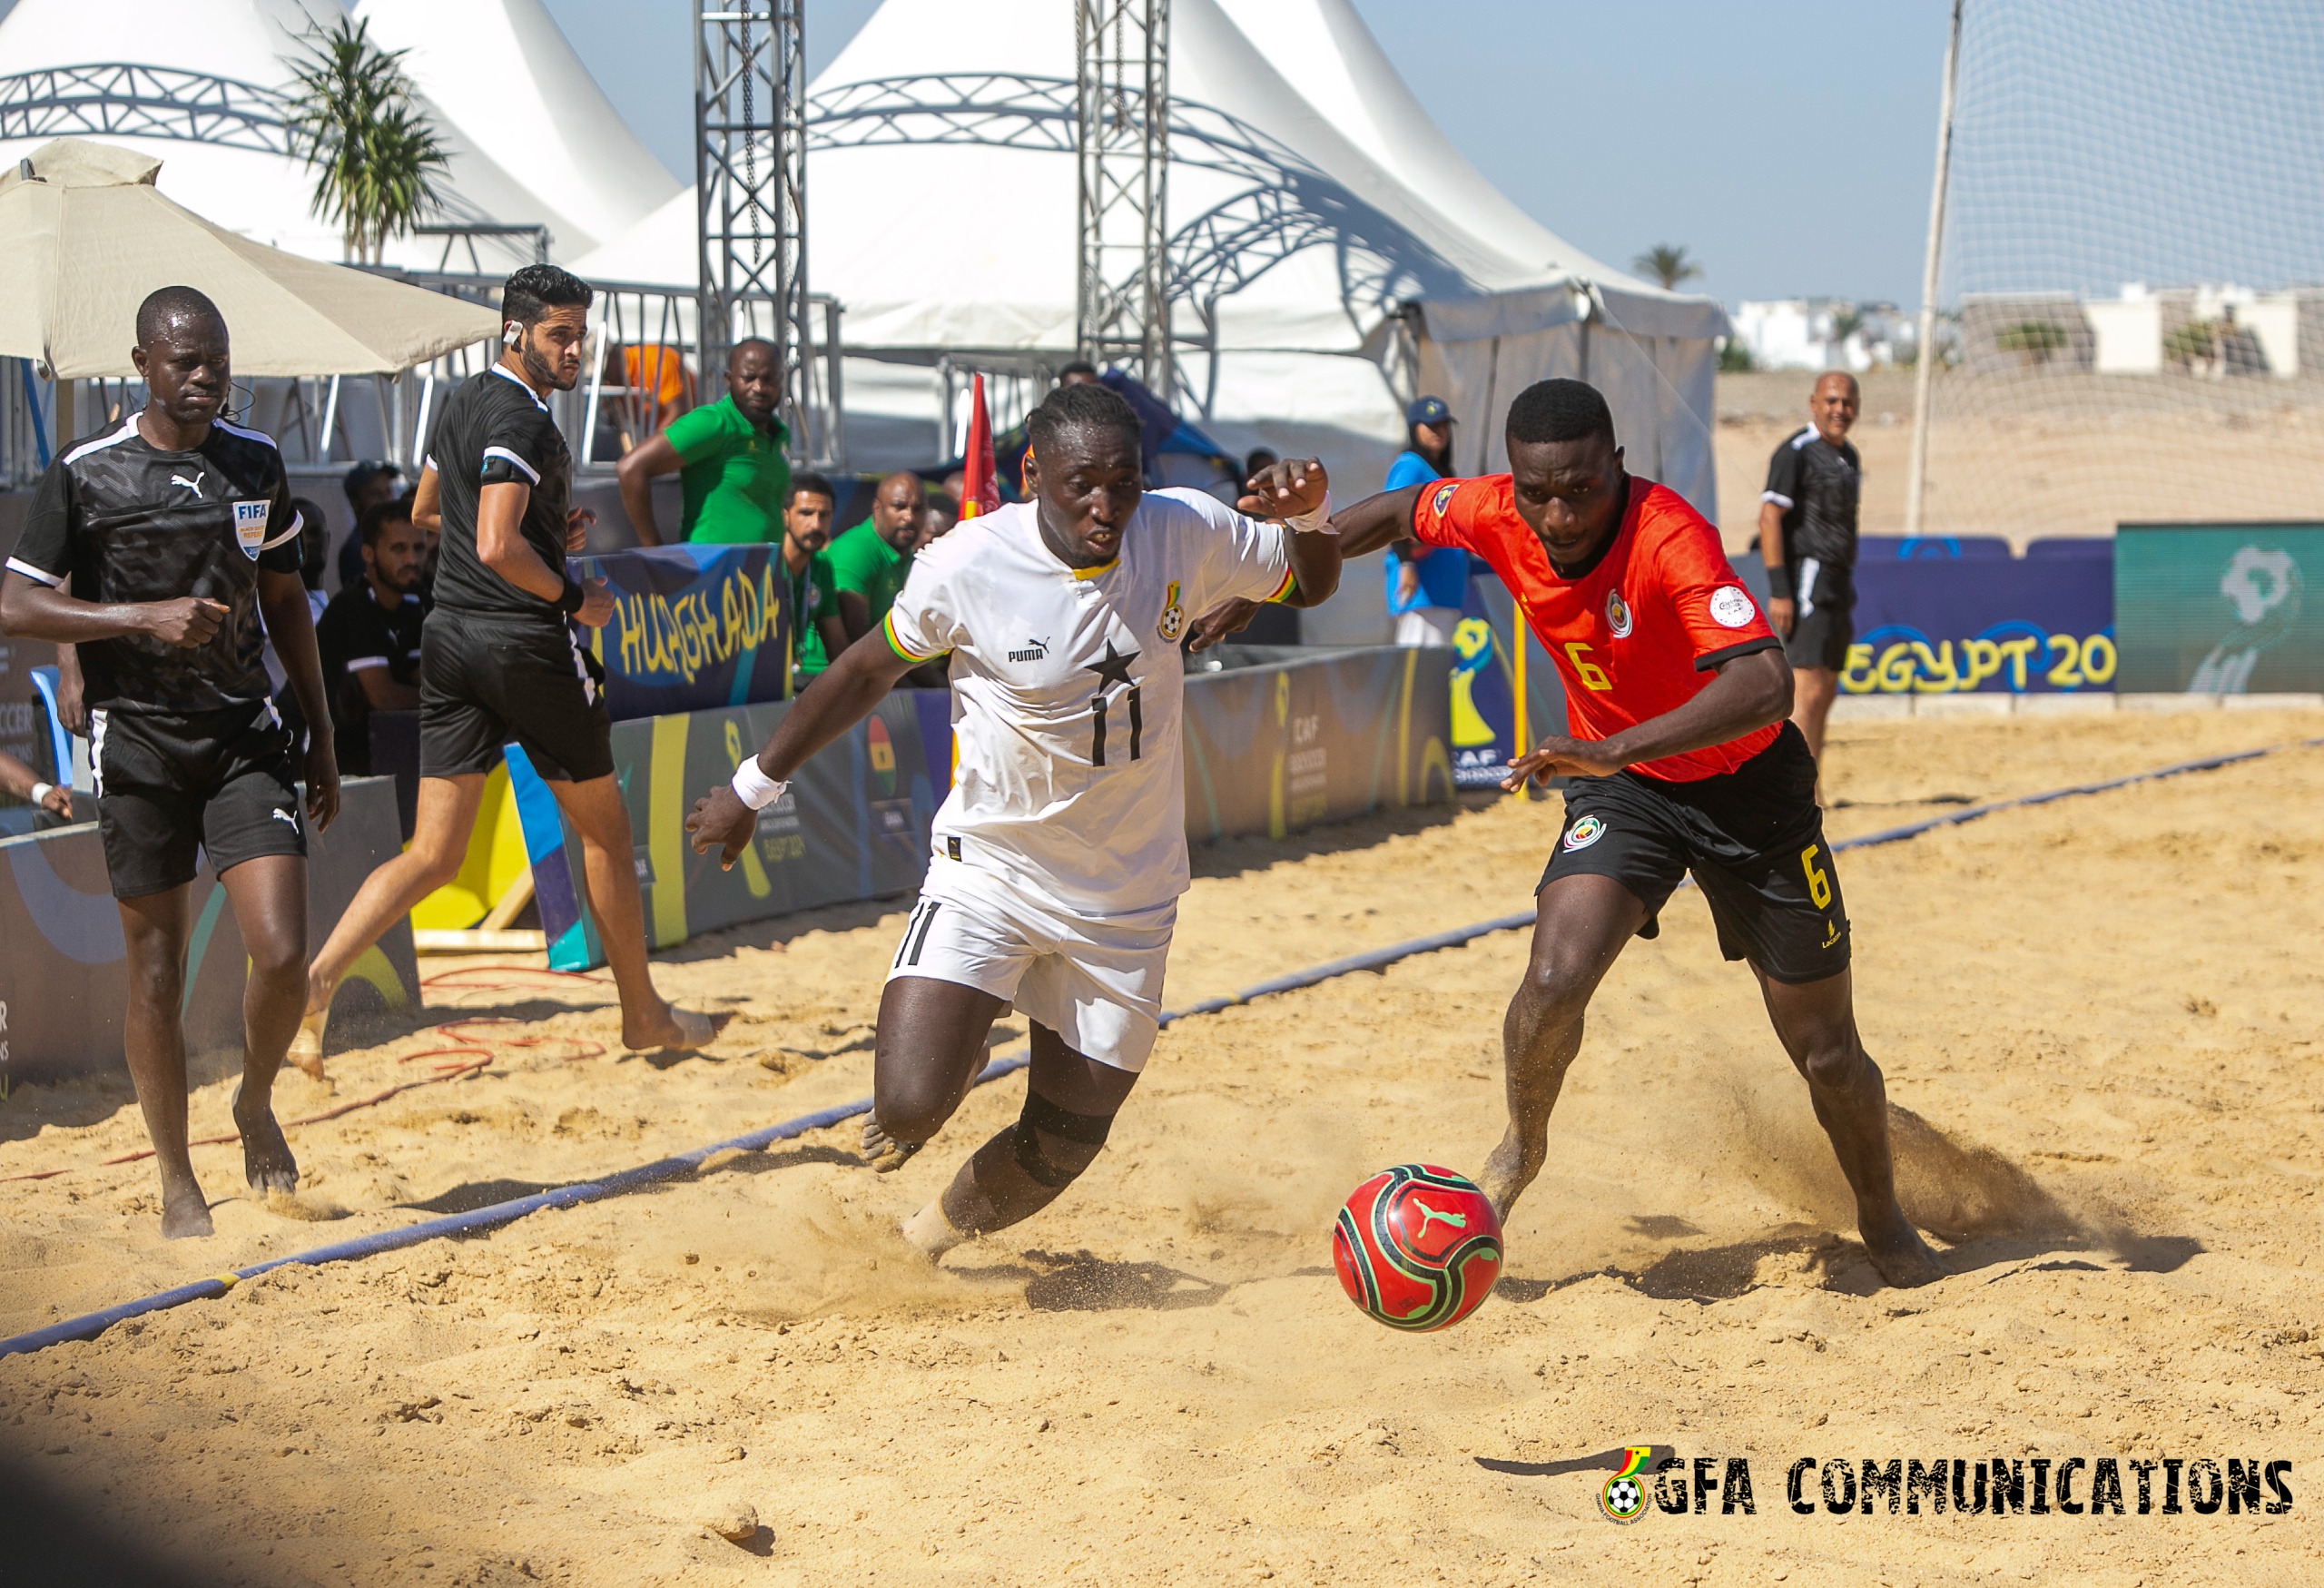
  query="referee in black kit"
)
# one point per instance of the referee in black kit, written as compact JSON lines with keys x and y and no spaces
{"x":499,"y":661}
{"x":1807,"y":519}
{"x":155,"y":548}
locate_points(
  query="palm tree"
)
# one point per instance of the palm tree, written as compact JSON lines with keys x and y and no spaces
{"x":1668,"y":263}
{"x":354,"y":119}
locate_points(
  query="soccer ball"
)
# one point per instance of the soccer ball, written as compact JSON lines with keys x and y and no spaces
{"x":1417,"y":1247}
{"x":1623,"y":1499}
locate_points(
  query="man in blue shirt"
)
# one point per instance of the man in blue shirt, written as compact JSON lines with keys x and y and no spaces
{"x":1426,"y":585}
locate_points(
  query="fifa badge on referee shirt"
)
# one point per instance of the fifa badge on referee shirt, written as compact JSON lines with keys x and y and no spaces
{"x":1618,"y":614}
{"x":1174,"y":616}
{"x":249,"y":526}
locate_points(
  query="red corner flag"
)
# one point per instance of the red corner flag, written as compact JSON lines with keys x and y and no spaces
{"x":981,"y":493}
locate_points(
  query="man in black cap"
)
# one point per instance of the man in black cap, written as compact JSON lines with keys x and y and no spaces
{"x":1426,"y":585}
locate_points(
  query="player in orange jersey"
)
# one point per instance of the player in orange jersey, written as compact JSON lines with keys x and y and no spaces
{"x":1681,"y":759}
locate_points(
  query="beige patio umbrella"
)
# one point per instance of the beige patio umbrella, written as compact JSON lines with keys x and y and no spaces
{"x":84,"y":236}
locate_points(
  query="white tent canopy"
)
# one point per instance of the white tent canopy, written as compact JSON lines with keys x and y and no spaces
{"x":548,"y":124}
{"x":84,"y":238}
{"x":1310,"y":199}
{"x":232,"y":166}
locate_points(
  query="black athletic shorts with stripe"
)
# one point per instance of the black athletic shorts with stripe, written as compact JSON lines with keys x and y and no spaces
{"x":1753,"y":838}
{"x":486,"y":682}
{"x":1826,"y":625}
{"x":172,"y":785}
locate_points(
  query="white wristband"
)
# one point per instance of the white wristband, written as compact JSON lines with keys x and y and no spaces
{"x":753,"y":787}
{"x":1315,"y":523}
{"x":41,"y":791}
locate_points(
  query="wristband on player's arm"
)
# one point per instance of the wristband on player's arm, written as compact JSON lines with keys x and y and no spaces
{"x":753,"y":787}
{"x":1778,"y":582}
{"x":1313,"y":523}
{"x":575,"y":593}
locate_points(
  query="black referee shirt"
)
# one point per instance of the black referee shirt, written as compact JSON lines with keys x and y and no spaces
{"x":494,"y":430}
{"x":1817,"y":485}
{"x":117,"y":518}
{"x":357,"y":634}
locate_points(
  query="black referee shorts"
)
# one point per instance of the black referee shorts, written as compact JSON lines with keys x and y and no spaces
{"x":1753,"y":838}
{"x":172,"y":783}
{"x":1826,"y":627}
{"x":488,"y":682}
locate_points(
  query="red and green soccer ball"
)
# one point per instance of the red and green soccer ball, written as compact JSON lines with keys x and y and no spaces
{"x":1417,"y":1247}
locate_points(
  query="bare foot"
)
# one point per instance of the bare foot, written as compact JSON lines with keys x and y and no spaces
{"x":929,"y":1233}
{"x":1504,"y":1179}
{"x":680,"y":1030}
{"x":266,"y":1163}
{"x":184,"y":1212}
{"x":883,"y":1152}
{"x":306,"y":1047}
{"x":1896,"y":1249}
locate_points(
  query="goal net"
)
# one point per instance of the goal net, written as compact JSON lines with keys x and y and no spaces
{"x":2131,"y":271}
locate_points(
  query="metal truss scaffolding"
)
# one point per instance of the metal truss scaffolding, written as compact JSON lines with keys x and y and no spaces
{"x":1122,"y":136}
{"x":122,"y":101}
{"x":751,"y":182}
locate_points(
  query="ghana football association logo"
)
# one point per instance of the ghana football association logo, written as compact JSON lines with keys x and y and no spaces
{"x":1623,"y":1497}
{"x":1174,"y":616}
{"x":1618,"y":614}
{"x":1584,"y":832}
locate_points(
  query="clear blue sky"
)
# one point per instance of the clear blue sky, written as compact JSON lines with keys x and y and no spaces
{"x":1788,"y":147}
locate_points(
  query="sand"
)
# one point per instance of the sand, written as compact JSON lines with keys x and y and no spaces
{"x":2101,"y":1010}
{"x":2044,"y":453}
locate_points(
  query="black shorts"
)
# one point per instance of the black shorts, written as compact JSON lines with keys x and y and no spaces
{"x":172,"y":783}
{"x":1753,"y":838}
{"x":1826,"y":627}
{"x":488,"y":682}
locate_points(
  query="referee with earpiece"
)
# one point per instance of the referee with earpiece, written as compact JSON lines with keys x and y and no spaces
{"x":499,"y":661}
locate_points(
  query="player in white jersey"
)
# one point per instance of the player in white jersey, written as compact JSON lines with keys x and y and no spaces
{"x":1061,"y":852}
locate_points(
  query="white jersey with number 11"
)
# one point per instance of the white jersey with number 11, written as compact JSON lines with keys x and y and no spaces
{"x":1068,"y":690}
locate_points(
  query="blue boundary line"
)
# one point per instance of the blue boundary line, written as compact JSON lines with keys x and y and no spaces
{"x":90,"y":1325}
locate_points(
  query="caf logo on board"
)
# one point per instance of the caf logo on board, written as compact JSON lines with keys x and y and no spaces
{"x":1618,"y":614}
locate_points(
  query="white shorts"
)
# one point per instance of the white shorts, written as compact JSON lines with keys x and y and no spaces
{"x":1097,"y":983}
{"x":1427,"y":626}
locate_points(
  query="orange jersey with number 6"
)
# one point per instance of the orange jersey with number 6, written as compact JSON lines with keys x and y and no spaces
{"x":1636,"y":634}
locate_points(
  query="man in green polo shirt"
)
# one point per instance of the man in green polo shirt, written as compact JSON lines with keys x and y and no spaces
{"x":869,"y":561}
{"x":814,"y":599}
{"x":728,"y":456}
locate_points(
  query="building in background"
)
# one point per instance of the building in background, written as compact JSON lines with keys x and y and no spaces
{"x":1823,"y":333}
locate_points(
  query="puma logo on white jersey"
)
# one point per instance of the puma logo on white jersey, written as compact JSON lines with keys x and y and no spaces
{"x":194,"y":485}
